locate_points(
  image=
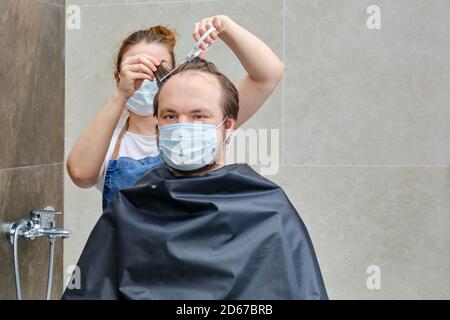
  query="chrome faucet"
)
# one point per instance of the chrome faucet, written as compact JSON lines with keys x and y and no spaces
{"x":40,"y":224}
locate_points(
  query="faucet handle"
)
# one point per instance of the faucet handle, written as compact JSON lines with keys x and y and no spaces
{"x":44,"y":218}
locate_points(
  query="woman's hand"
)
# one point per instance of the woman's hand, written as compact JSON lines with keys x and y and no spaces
{"x":85,"y":164}
{"x":219,"y":22}
{"x":133,"y":71}
{"x":264,"y":68}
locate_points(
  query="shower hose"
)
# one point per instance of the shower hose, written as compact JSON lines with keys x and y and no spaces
{"x":16,"y":263}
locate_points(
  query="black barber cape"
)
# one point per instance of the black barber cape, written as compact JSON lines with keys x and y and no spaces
{"x":230,"y":234}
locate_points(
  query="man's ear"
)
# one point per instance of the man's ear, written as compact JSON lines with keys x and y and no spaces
{"x":229,"y":128}
{"x":116,"y":77}
{"x":230,"y":123}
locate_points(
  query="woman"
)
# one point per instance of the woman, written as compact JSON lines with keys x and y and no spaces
{"x":115,"y":159}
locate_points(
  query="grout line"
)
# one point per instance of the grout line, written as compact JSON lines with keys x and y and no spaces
{"x":365,"y":165}
{"x":51,"y":3}
{"x":140,"y":3}
{"x":35,"y":166}
{"x":283,"y":92}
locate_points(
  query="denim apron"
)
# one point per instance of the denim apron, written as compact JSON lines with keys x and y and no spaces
{"x":123,"y":172}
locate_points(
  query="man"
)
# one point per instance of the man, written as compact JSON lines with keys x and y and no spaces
{"x":196,"y":228}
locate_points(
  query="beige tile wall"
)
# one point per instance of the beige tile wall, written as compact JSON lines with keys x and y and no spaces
{"x":31,"y":136}
{"x":364,"y":118}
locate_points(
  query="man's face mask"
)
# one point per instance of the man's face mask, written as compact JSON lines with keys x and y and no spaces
{"x":189,"y":146}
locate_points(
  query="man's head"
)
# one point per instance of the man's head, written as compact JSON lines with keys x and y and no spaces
{"x":198,"y":93}
{"x":196,"y":86}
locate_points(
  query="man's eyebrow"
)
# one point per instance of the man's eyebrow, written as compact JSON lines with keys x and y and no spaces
{"x":205,"y":110}
{"x":166,"y":109}
{"x":197,"y":110}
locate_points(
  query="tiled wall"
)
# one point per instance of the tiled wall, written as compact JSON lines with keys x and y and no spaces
{"x":31,"y":134}
{"x":364,"y":118}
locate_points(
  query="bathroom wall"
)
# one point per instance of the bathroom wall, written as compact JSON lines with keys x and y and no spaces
{"x":363,"y":117}
{"x":32,"y":135}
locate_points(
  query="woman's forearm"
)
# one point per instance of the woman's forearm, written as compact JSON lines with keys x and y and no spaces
{"x":260,"y":62}
{"x":88,"y":153}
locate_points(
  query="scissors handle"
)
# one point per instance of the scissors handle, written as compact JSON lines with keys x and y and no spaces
{"x":195,"y":52}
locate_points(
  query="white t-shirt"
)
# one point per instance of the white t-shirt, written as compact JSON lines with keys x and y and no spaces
{"x":133,"y":145}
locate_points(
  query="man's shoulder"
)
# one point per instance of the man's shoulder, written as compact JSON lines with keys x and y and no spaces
{"x":235,"y":178}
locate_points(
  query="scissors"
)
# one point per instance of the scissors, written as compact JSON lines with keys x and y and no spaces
{"x":195,"y":52}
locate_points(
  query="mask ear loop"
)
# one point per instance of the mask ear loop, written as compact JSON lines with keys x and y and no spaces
{"x":227,"y":139}
{"x":226,"y":118}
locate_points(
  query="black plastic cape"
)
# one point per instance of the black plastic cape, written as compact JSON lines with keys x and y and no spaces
{"x":230,"y":234}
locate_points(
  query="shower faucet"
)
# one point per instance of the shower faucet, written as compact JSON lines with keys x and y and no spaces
{"x":40,"y":224}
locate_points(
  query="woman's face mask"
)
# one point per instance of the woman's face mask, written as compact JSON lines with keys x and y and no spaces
{"x":141,"y":102}
{"x":189,"y":146}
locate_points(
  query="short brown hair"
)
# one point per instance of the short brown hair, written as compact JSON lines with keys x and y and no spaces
{"x":230,"y":96}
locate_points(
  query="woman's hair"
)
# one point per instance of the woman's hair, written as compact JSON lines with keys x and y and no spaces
{"x":230,"y":96}
{"x":156,"y":34}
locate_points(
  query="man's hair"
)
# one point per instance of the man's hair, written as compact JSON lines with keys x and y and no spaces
{"x":230,"y":96}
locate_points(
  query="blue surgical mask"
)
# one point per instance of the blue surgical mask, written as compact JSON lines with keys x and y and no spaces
{"x":189,"y":146}
{"x":141,"y":102}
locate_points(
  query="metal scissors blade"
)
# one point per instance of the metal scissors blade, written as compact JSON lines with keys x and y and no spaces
{"x":195,"y":52}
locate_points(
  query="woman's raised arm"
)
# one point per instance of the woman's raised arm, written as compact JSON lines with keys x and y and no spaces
{"x":264,"y":68}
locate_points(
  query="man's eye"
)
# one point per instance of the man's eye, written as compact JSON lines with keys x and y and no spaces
{"x":199,"y":117}
{"x":169,"y":116}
